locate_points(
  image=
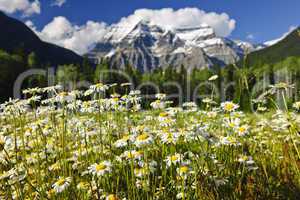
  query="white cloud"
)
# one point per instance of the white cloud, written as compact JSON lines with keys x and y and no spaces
{"x":30,"y":24}
{"x":272,"y":42}
{"x":80,"y":39}
{"x":25,"y":6}
{"x":59,"y":3}
{"x":250,"y":36}
{"x":185,"y":17}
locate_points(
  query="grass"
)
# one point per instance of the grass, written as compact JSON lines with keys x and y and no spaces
{"x":63,"y":148}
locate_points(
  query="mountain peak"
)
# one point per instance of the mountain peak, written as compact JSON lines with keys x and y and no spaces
{"x":147,"y":46}
{"x":198,"y":33}
{"x":146,"y":26}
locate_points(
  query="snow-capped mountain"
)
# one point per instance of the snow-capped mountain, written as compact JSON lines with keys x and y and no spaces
{"x":147,"y":46}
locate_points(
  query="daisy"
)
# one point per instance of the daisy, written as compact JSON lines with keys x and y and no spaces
{"x":2,"y":142}
{"x":158,"y":104}
{"x":61,"y":184}
{"x":141,"y":172}
{"x":246,"y":159}
{"x":143,"y":139}
{"x":296,"y":105}
{"x":229,"y":106}
{"x":123,"y":142}
{"x":174,"y":159}
{"x":99,"y":87}
{"x":228,"y":141}
{"x":190,"y":106}
{"x":242,"y":130}
{"x":82,"y":186}
{"x":213,"y":78}
{"x":183,"y":171}
{"x":100,"y":169}
{"x":160,"y":96}
{"x":212,"y":114}
{"x":169,"y":137}
{"x":173,"y":111}
{"x":242,"y":159}
{"x":163,"y":116}
{"x":134,"y":92}
{"x":126,"y":84}
{"x":132,"y":155}
{"x":231,"y":122}
{"x":111,"y":197}
{"x":180,"y":195}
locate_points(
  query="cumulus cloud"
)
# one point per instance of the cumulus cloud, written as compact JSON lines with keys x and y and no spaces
{"x":62,"y":32}
{"x":81,"y":38}
{"x":59,"y":3}
{"x":185,"y":17}
{"x":250,"y":36}
{"x":272,"y":42}
{"x":25,"y":6}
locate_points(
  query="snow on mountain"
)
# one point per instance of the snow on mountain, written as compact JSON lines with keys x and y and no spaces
{"x":195,"y":33}
{"x":147,"y":46}
{"x":272,"y":42}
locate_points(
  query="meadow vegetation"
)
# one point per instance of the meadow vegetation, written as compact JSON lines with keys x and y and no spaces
{"x":94,"y":145}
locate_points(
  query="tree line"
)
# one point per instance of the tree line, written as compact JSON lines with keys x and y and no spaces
{"x":234,"y":82}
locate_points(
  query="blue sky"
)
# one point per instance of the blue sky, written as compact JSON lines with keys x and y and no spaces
{"x":262,"y":19}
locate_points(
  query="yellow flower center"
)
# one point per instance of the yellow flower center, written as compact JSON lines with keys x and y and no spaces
{"x":229,"y":106}
{"x":63,"y":94}
{"x":125,"y":138}
{"x":174,"y":158}
{"x":231,"y":124}
{"x":184,"y":169}
{"x":130,"y":155}
{"x":100,"y":167}
{"x":99,"y":85}
{"x":60,"y":182}
{"x":142,"y":137}
{"x":242,"y":129}
{"x":163,"y":114}
{"x":112,"y":197}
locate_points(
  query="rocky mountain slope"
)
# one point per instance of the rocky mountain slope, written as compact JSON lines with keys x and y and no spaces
{"x":148,"y":46}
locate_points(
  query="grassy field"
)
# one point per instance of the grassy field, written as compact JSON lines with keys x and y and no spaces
{"x":65,"y":148}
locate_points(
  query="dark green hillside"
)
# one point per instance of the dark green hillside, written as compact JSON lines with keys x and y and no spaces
{"x":16,"y":37}
{"x":21,"y":49}
{"x":288,"y":47}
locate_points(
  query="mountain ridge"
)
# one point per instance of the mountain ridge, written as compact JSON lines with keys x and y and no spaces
{"x":148,"y":46}
{"x":289,"y":46}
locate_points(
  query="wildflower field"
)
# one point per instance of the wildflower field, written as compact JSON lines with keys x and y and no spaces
{"x":84,"y":145}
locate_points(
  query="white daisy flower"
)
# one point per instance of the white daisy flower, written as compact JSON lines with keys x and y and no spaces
{"x":112,"y":197}
{"x":213,"y":78}
{"x":296,"y":105}
{"x":123,"y":142}
{"x":100,"y":169}
{"x":160,"y":96}
{"x":158,"y":104}
{"x":174,"y":159}
{"x":61,"y":184}
{"x":183,"y":171}
{"x":231,"y":122}
{"x":132,"y":155}
{"x":242,"y":130}
{"x":169,"y":137}
{"x":229,"y":106}
{"x":143,"y":139}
